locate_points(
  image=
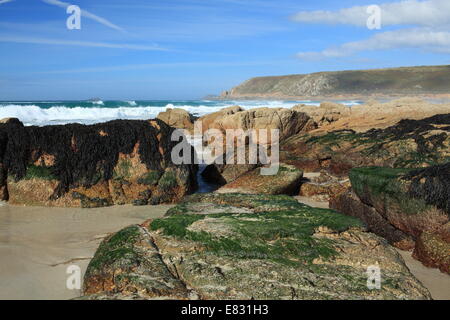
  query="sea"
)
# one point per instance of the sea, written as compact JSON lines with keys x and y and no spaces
{"x":42,"y":113}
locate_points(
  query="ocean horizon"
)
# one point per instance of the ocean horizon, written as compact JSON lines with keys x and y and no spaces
{"x":49,"y":112}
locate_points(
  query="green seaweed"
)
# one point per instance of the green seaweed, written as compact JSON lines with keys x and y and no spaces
{"x":283,"y":236}
{"x":39,"y":172}
{"x":386,"y":185}
{"x":168,"y":181}
{"x":119,"y":246}
{"x":151,"y":178}
{"x":122,"y":171}
{"x":175,"y":225}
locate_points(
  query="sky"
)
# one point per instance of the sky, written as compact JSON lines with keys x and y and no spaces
{"x":187,"y":49}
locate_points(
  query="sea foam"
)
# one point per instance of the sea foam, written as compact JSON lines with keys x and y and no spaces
{"x":35,"y":113}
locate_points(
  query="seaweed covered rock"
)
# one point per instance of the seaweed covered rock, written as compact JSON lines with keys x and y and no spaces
{"x":409,"y":143}
{"x":409,"y":207}
{"x":234,"y":246}
{"x":349,"y":204}
{"x":75,"y":165}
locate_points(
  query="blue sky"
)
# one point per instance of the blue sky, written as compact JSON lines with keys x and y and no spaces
{"x":186,"y":49}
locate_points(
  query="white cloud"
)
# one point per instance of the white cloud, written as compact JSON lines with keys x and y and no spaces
{"x":5,"y":1}
{"x":79,"y":43}
{"x":430,"y":13}
{"x":426,"y":26}
{"x":86,"y":14}
{"x":435,"y":41}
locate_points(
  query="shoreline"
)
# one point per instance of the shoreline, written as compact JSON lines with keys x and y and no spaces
{"x":37,"y":244}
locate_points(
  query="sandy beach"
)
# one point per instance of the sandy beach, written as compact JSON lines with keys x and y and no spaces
{"x":38,"y":244}
{"x":438,"y":283}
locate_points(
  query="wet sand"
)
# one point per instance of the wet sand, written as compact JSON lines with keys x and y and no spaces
{"x":438,"y":283}
{"x":38,"y":244}
{"x":312,"y":203}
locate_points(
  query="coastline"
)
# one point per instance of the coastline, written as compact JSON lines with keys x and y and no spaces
{"x":437,"y":98}
{"x":37,"y":244}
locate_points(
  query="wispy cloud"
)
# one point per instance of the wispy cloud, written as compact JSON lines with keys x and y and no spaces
{"x":162,"y":65}
{"x":5,"y":1}
{"x":79,"y":43}
{"x":86,"y":14}
{"x":429,"y":13}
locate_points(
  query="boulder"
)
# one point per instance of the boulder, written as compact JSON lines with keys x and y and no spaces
{"x":410,"y":207}
{"x":326,"y":113}
{"x":227,"y":169}
{"x":377,"y":115}
{"x":118,"y":162}
{"x":409,"y":143}
{"x":286,"y":181}
{"x":245,"y":247}
{"x":322,"y":187}
{"x":208,"y":120}
{"x":351,"y":205}
{"x":9,"y":120}
{"x":289,"y":122}
{"x":177,"y":118}
{"x":433,"y":251}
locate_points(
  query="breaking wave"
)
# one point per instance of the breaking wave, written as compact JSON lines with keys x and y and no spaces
{"x":62,"y":112}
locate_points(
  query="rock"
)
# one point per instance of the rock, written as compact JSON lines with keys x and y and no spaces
{"x":323,"y":187}
{"x":286,"y":181}
{"x":373,"y":114}
{"x":177,"y":118}
{"x":118,"y":162}
{"x":208,"y":120}
{"x":227,"y":170}
{"x":409,"y":143}
{"x":351,"y":205}
{"x":9,"y":120}
{"x":289,"y":122}
{"x":263,"y":247}
{"x":433,"y":251}
{"x":326,"y":113}
{"x":404,"y":204}
{"x":222,"y":174}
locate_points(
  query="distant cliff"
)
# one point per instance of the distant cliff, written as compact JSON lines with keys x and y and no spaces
{"x":432,"y":80}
